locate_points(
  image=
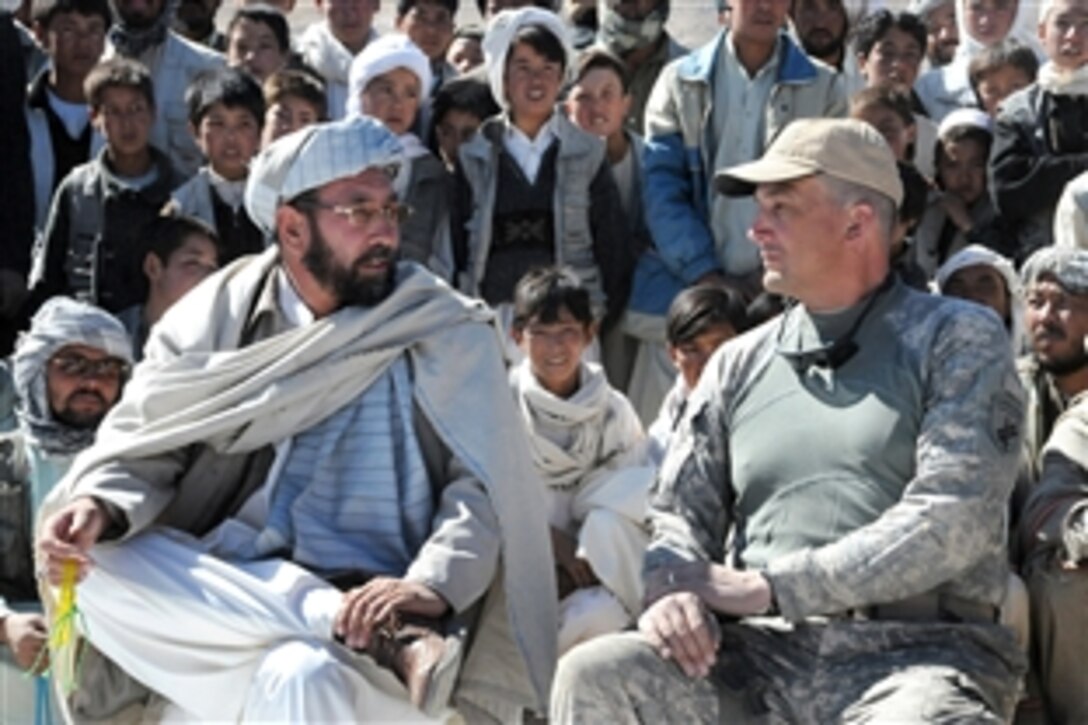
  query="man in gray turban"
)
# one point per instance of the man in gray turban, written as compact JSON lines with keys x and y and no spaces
{"x":296,"y":493}
{"x":1053,"y":527}
{"x":68,"y":370}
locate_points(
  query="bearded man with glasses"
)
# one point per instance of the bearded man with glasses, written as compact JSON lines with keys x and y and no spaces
{"x":68,"y":370}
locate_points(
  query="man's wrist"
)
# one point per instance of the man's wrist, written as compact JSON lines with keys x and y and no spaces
{"x":766,"y":592}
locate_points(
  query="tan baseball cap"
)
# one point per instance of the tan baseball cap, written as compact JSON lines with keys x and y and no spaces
{"x":849,"y":150}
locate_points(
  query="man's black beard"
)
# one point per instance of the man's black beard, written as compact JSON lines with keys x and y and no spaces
{"x":81,"y":421}
{"x":344,"y":282}
{"x":1065,"y":366}
{"x":830,"y":52}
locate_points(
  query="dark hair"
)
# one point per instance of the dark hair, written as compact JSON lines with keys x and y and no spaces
{"x":956,"y":134}
{"x":300,"y":84}
{"x":915,"y":194}
{"x":875,"y":26}
{"x":542,"y":293}
{"x":543,"y":42}
{"x":266,"y":15}
{"x":594,"y":58}
{"x":481,"y":5}
{"x":118,"y":73}
{"x":1007,"y":52}
{"x":169,"y":231}
{"x":884,"y":96}
{"x":43,"y":11}
{"x":464,"y":93}
{"x":696,"y":309}
{"x":469,"y":32}
{"x":232,"y":87}
{"x":405,"y":6}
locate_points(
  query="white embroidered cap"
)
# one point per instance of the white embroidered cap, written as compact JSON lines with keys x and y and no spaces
{"x":380,"y":56}
{"x":314,"y":156}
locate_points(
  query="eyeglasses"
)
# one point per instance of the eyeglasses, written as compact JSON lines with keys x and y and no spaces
{"x":362,"y":215}
{"x":74,"y":365}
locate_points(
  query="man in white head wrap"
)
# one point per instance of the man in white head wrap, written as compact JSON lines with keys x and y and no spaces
{"x":982,"y":275}
{"x":68,"y":369}
{"x":313,"y":429}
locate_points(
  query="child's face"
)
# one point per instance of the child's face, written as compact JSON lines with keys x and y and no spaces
{"x":393,"y":98}
{"x":1064,"y":33}
{"x":894,"y":60}
{"x":349,"y":20}
{"x":288,"y":114}
{"x":253,"y":46}
{"x":980,"y":283}
{"x":465,"y":54}
{"x":454,"y":129}
{"x":989,"y":21}
{"x":74,"y":42}
{"x":962,"y":170}
{"x":690,"y":357}
{"x":555,"y":351}
{"x":229,"y":137}
{"x":430,"y":26}
{"x":598,"y":103}
{"x":532,"y":84}
{"x":195,"y":259}
{"x":124,"y":119}
{"x":998,"y":84}
{"x":890,"y":125}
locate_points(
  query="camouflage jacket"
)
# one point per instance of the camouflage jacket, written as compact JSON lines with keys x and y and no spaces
{"x":16,"y":564}
{"x":943,"y":368}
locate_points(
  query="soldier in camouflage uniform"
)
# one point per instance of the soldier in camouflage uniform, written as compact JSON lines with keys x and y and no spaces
{"x":860,"y":451}
{"x":1052,"y":529}
{"x":67,"y":372}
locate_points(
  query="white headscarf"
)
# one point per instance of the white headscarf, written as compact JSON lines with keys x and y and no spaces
{"x":500,"y":35}
{"x":380,"y":56}
{"x":975,"y":255}
{"x":60,"y":322}
{"x":1024,"y":30}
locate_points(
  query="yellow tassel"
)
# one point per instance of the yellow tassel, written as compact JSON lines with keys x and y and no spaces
{"x":63,"y":643}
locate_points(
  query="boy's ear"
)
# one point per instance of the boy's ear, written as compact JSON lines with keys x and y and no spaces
{"x":195,"y":133}
{"x":518,"y":334}
{"x":152,"y":266}
{"x":591,"y":330}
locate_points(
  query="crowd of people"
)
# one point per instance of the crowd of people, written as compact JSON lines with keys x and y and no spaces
{"x":546,"y":367}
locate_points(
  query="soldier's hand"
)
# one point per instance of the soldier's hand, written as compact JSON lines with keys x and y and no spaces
{"x":371,"y":606}
{"x":69,"y":534}
{"x":722,"y":588}
{"x":681,"y":628}
{"x":26,"y":635}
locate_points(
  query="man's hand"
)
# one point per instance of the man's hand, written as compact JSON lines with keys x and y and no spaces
{"x":26,"y":635}
{"x":376,"y":603}
{"x":681,"y":628}
{"x":69,"y":534}
{"x":724,"y":589}
{"x":565,"y":550}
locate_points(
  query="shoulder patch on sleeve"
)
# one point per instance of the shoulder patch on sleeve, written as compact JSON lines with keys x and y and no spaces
{"x":1006,"y":415}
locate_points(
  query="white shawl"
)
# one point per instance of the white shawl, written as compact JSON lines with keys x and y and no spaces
{"x":572,"y":438}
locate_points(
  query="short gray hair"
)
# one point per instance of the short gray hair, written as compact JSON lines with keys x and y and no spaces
{"x":847,"y":193}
